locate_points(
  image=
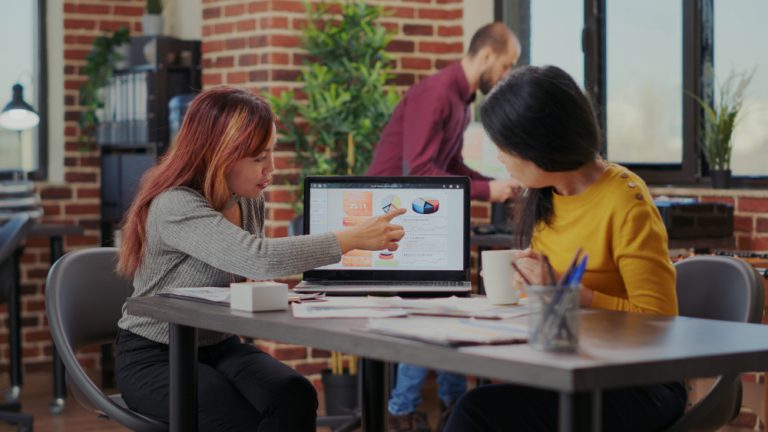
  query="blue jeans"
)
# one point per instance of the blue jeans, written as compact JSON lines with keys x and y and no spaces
{"x":406,"y":395}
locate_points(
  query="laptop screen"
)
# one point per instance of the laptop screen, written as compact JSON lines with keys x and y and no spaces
{"x":436,"y":222}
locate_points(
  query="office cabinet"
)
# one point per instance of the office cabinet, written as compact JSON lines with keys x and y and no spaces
{"x":134,"y":128}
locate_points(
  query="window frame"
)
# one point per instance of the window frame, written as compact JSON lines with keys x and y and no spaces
{"x":42,"y":99}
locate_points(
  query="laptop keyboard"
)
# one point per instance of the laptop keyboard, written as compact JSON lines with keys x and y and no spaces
{"x":392,"y":283}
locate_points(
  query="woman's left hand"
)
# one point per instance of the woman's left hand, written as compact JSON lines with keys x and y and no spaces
{"x":533,"y":267}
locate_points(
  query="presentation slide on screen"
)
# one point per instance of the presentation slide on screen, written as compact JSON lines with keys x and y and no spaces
{"x":433,"y":225}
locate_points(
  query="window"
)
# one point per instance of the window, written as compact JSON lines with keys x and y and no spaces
{"x":644,"y":82}
{"x":549,"y":32}
{"x":556,"y":35}
{"x":739,"y":39}
{"x":22,"y":42}
{"x":641,"y":59}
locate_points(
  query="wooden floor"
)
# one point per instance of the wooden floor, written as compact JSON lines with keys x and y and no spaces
{"x":36,"y":398}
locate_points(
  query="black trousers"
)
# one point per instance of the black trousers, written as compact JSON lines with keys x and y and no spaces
{"x":507,"y":407}
{"x":240,"y":388}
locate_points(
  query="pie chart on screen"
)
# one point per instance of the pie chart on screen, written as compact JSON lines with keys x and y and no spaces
{"x":391,"y":202}
{"x":425,"y":205}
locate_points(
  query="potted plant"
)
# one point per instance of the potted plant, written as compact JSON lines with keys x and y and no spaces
{"x":99,"y":64}
{"x":348,"y":102}
{"x":719,"y":122}
{"x":152,"y":21}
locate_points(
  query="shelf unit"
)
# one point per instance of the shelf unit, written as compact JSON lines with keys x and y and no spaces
{"x":134,"y":128}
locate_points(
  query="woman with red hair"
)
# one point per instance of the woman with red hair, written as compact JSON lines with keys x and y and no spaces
{"x":198,"y":220}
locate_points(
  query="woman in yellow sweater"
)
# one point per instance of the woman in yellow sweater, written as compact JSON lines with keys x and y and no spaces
{"x":549,"y":141}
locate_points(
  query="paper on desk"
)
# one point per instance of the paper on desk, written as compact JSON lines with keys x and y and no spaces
{"x":372,"y":306}
{"x":207,"y":294}
{"x":345,"y":307}
{"x":451,"y":331}
{"x":477,"y":307}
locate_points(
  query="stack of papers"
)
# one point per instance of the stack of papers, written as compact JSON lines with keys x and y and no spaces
{"x":346,"y":307}
{"x":378,"y":307}
{"x":217,"y":295}
{"x":451,"y":331}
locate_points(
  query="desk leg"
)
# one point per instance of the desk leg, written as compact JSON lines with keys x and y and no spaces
{"x":183,"y":373}
{"x":580,"y":412}
{"x":373,"y":395}
{"x":56,"y":244}
{"x":14,"y":329}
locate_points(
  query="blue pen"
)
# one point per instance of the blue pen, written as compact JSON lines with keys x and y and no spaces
{"x":578,"y":274}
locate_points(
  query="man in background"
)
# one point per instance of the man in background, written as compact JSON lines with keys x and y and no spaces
{"x":424,"y":137}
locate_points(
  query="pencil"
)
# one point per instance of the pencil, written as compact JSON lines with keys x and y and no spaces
{"x":550,"y":270}
{"x":517,"y":269}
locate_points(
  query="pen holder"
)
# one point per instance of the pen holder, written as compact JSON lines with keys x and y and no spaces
{"x":553,"y":322}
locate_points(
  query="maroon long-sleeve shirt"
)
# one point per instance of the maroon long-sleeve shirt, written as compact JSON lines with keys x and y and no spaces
{"x":426,"y":132}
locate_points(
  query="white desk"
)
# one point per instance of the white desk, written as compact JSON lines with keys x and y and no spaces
{"x":616,"y":350}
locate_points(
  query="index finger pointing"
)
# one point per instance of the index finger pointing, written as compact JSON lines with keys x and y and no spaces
{"x":393,"y":214}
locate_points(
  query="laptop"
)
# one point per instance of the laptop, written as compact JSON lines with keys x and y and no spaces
{"x":433,"y":256}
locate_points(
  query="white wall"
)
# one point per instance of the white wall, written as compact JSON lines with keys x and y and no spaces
{"x":184,"y":19}
{"x":477,"y":13}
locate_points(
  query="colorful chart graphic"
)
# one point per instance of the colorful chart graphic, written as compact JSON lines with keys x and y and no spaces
{"x":391,"y":202}
{"x":357,"y":258}
{"x":386,"y":256}
{"x":357,"y":203}
{"x":425,"y":205}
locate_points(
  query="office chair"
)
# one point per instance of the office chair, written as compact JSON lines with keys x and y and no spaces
{"x":11,"y":237}
{"x":721,"y":288}
{"x":83,"y":301}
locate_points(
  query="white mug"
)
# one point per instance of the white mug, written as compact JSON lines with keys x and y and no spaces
{"x":498,"y":276}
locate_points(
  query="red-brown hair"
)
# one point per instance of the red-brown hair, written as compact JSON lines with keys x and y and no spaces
{"x":221,"y":126}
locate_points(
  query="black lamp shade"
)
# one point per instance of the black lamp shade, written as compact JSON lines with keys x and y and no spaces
{"x":17,"y":114}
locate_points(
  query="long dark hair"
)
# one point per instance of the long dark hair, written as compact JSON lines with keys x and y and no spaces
{"x":541,"y":115}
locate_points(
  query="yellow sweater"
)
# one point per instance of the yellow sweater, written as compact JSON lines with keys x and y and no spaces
{"x":617,"y":224}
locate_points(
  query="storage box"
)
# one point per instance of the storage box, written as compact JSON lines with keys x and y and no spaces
{"x":258,"y":296}
{"x":696,"y":220}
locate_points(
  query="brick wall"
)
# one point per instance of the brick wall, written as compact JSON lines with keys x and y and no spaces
{"x":256,"y":45}
{"x":77,"y":200}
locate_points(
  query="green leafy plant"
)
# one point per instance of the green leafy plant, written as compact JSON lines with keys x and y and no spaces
{"x":154,"y":7}
{"x":721,"y":119}
{"x":98,"y":70}
{"x":348,"y":102}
